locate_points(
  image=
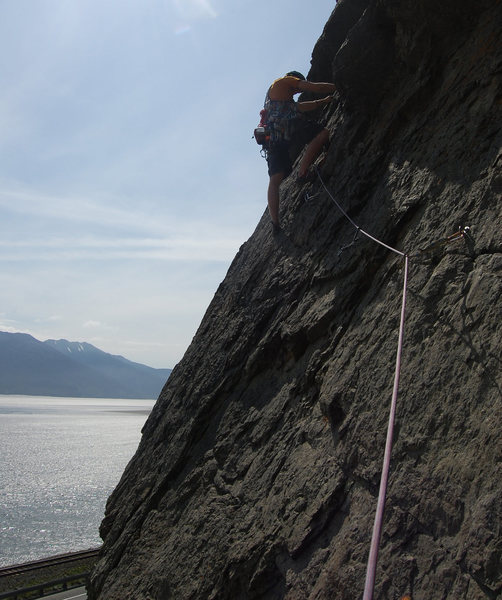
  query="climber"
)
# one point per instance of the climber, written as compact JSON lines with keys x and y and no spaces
{"x":287,"y":126}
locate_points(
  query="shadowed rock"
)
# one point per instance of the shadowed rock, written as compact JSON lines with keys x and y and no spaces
{"x":258,"y":471}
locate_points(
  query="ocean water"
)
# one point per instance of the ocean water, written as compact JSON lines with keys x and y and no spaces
{"x":60,"y":458}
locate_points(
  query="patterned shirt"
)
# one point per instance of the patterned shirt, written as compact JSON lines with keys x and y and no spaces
{"x":281,"y":114}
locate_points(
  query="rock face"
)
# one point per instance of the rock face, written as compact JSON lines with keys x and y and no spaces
{"x":257,"y":475}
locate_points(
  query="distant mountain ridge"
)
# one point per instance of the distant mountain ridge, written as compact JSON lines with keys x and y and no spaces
{"x":74,"y":369}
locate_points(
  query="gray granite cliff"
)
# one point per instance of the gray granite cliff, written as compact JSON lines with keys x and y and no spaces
{"x":258,"y":471}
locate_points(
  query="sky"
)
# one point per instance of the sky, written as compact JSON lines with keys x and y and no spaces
{"x":128,"y":173}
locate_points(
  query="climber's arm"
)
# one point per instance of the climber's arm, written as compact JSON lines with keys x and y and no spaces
{"x":316,"y":87}
{"x":313,"y":104}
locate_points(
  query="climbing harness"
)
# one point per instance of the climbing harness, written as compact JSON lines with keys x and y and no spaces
{"x":462,"y":233}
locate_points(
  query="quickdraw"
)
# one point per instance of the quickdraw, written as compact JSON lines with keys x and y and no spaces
{"x":462,"y":233}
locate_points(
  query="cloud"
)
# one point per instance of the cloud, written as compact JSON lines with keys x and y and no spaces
{"x":194,"y":9}
{"x":71,"y":208}
{"x":182,"y":29}
{"x":8,"y":325}
{"x":204,"y":247}
{"x":91,"y":324}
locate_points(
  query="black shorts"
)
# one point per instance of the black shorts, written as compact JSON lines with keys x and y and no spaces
{"x":281,"y":155}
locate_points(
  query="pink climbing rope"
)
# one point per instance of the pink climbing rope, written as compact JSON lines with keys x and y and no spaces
{"x":462,"y":233}
{"x":369,"y":585}
{"x":377,"y":528}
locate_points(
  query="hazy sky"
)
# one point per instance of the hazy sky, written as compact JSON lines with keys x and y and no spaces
{"x":128,"y":176}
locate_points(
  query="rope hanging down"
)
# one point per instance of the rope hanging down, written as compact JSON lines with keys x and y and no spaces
{"x":369,"y":586}
{"x":377,"y":527}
